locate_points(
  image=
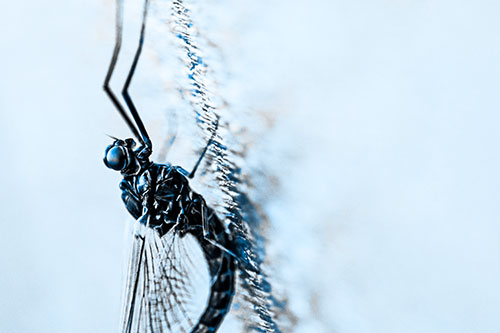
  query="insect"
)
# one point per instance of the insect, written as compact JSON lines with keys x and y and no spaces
{"x":167,"y":211}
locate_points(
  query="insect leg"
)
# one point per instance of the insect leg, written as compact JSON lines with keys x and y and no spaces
{"x":125,"y":93}
{"x":111,"y":68}
{"x":209,"y":142}
{"x":206,"y":233}
{"x":214,"y":243}
{"x":136,"y":284}
{"x":204,"y":220}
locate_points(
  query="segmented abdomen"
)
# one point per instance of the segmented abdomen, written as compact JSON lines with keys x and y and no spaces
{"x":222,"y":267}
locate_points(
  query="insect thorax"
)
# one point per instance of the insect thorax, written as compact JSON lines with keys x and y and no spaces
{"x":162,"y":192}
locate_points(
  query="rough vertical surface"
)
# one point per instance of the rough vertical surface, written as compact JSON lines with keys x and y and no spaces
{"x":222,"y":172}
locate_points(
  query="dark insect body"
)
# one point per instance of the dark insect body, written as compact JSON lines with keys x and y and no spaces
{"x":159,"y":197}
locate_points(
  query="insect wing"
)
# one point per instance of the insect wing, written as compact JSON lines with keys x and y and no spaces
{"x":168,"y":283}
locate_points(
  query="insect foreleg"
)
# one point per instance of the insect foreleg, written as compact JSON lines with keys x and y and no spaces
{"x":111,"y":68}
{"x":125,"y":94}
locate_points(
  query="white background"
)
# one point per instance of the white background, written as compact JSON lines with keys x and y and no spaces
{"x":384,"y":142}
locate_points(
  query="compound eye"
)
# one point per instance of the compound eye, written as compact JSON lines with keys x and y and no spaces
{"x":116,"y":158}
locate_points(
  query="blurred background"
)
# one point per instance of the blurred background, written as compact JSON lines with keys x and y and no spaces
{"x":376,"y":120}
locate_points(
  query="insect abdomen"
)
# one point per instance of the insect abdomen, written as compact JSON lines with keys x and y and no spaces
{"x":222,"y":266}
{"x":221,"y":294}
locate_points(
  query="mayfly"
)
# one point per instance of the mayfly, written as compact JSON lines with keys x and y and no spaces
{"x":159,"y":197}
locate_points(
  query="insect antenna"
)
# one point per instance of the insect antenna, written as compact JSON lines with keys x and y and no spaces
{"x":125,"y":92}
{"x":111,"y":68}
{"x":111,"y":136}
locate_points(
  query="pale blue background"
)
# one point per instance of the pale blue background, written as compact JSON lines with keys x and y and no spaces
{"x":385,"y":143}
